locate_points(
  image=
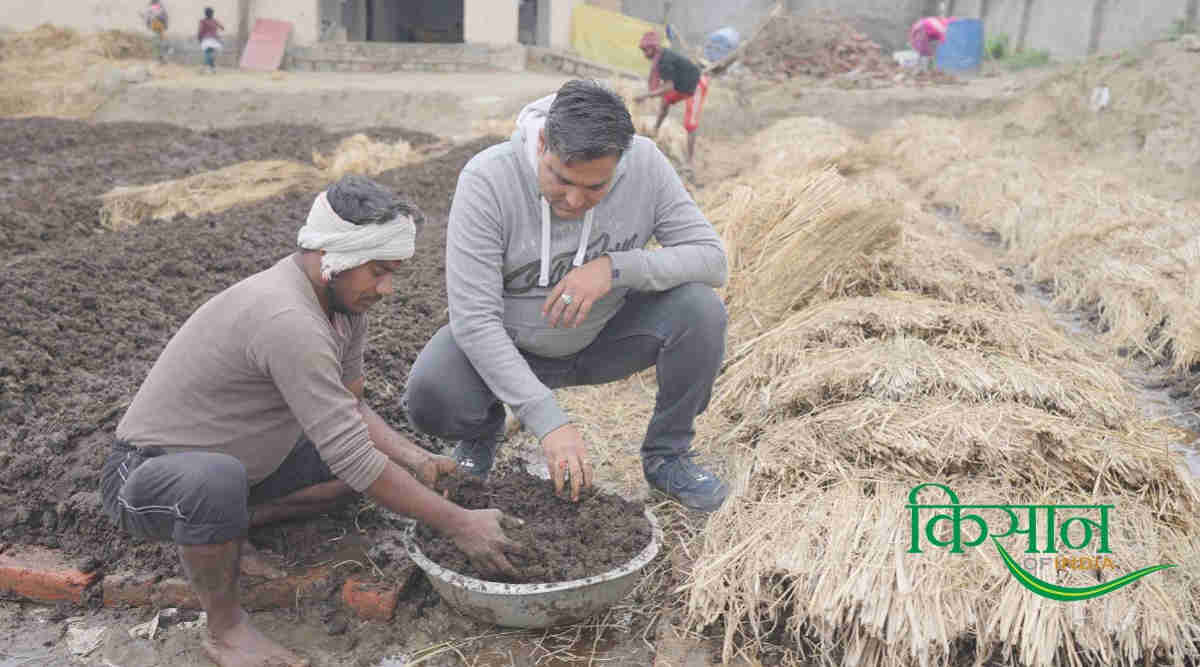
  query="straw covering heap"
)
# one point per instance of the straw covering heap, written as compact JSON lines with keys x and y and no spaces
{"x":868,"y":355}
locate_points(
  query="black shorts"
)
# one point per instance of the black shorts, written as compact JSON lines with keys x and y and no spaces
{"x":196,"y":497}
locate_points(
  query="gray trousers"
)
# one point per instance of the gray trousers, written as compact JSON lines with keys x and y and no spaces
{"x":681,"y":332}
{"x":196,"y":497}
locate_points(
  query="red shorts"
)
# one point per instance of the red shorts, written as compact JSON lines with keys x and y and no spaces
{"x":695,"y":104}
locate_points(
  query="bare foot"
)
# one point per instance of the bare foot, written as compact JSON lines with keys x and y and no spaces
{"x":244,"y":646}
{"x":254,"y":564}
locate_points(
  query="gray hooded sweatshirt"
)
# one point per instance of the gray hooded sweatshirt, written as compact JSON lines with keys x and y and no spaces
{"x":498,"y":242}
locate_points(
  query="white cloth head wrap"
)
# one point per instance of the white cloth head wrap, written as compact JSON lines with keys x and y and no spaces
{"x":348,"y":245}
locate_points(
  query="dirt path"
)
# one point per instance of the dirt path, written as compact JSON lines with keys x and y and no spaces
{"x":441,"y":104}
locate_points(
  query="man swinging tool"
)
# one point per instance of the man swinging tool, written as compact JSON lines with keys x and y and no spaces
{"x":675,"y":79}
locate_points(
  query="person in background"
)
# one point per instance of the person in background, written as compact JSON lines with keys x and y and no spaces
{"x":676,"y":79}
{"x":156,"y":20}
{"x":209,"y":36}
{"x":926,"y":35}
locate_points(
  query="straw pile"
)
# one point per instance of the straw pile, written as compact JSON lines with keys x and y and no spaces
{"x":1129,"y":257}
{"x":360,"y":155}
{"x":1105,"y":246}
{"x":860,"y":364}
{"x":208,"y":192}
{"x":763,"y":382}
{"x":785,"y":236}
{"x":1099,"y":204}
{"x":497,"y":127}
{"x":51,"y":71}
{"x":801,"y":143}
{"x":930,"y":266}
{"x":247,"y":182}
{"x":842,"y":586}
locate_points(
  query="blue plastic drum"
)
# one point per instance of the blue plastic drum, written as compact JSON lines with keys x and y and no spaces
{"x":720,"y":43}
{"x":963,"y":49}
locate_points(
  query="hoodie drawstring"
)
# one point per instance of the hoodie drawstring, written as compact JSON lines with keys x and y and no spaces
{"x":544,"y":273}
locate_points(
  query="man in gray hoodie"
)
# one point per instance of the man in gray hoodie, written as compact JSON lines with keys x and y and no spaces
{"x":550,"y":285}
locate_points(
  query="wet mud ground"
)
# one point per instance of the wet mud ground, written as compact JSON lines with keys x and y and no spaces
{"x":84,"y":315}
{"x":51,"y":170}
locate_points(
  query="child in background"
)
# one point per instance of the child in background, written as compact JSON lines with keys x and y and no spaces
{"x":210,"y":39}
{"x":156,"y":20}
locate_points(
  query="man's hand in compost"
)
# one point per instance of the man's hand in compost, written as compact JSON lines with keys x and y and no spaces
{"x":566,"y":455}
{"x":436,"y":471}
{"x":481,"y":538}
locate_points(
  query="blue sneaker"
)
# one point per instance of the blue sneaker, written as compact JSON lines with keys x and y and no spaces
{"x":693,"y":486}
{"x":475,"y":457}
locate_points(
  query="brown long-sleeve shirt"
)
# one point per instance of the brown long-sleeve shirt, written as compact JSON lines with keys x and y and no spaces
{"x":252,"y":369}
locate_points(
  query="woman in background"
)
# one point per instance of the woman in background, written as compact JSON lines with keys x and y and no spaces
{"x":927,"y":35}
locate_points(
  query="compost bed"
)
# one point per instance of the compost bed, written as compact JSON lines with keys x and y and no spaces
{"x":566,"y":540}
{"x":85,"y":317}
{"x":53,"y":170}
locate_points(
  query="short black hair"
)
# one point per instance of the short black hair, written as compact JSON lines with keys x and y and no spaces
{"x":361,"y":201}
{"x":587,"y":121}
{"x":208,"y":12}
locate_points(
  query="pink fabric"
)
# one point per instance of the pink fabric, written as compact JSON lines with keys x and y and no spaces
{"x":694,"y":106}
{"x":927,"y":33}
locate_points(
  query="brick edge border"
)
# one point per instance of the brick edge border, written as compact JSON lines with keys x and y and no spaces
{"x":41,"y":575}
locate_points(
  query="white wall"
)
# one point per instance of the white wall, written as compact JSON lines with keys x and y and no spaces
{"x":1128,"y":23}
{"x":560,"y":22}
{"x":96,"y":15}
{"x":490,"y":21}
{"x":1065,"y":27}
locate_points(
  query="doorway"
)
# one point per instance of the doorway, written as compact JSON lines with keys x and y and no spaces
{"x":403,"y":20}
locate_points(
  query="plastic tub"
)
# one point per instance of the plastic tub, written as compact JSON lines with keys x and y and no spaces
{"x":535,"y":605}
{"x":962,"y":50}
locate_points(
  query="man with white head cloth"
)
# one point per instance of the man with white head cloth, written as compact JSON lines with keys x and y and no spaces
{"x":254,"y":413}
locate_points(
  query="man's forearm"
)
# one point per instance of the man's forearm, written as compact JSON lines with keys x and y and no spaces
{"x":400,"y":492}
{"x":389,"y":441}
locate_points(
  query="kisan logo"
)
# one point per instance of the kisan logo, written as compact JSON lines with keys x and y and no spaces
{"x":1057,"y":533}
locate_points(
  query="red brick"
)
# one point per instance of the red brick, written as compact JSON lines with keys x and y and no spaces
{"x":125,"y":589}
{"x":279,"y":593}
{"x":173,"y":592}
{"x":375,"y":601}
{"x":42,"y":575}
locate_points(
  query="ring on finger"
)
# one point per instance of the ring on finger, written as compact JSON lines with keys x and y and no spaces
{"x":566,"y":298}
